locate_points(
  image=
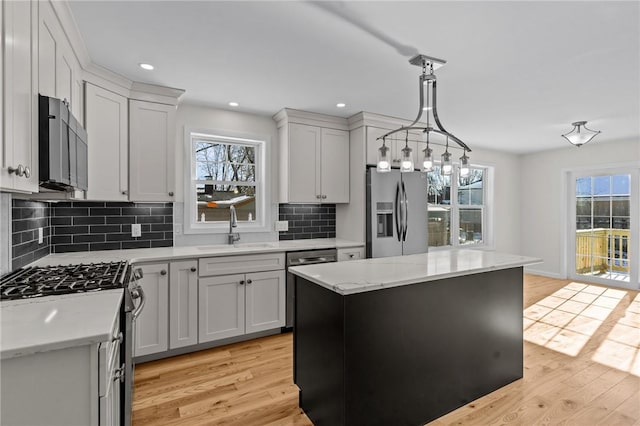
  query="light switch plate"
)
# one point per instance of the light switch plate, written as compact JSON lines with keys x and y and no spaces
{"x":136,"y":230}
{"x":282,"y":225}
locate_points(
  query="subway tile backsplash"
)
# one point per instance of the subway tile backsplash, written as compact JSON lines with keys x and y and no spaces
{"x":88,"y":226}
{"x":308,"y":221}
{"x":26,"y":217}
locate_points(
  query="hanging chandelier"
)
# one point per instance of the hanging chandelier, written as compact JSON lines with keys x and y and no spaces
{"x":580,"y":134}
{"x":427,"y":80}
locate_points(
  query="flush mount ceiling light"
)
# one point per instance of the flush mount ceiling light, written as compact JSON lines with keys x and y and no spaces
{"x":580,"y":134}
{"x":426,"y":80}
{"x":341,"y":105}
{"x":234,"y":104}
{"x":147,"y":67}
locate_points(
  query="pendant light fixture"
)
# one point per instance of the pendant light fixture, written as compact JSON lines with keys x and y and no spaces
{"x":445,"y":163}
{"x":384,"y":163}
{"x":406,"y":159}
{"x":580,"y":134}
{"x":426,"y":80}
{"x":427,"y":160}
{"x":464,"y":165}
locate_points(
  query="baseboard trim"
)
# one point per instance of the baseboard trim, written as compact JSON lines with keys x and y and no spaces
{"x":544,"y":273}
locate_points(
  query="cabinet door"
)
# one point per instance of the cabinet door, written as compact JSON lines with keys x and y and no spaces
{"x":220,"y":307}
{"x":152,"y":133}
{"x":183,"y":304}
{"x":334,"y":166}
{"x":20,"y":141}
{"x":151,"y":332}
{"x":265,"y":301}
{"x":107,"y":129}
{"x":304,"y":171}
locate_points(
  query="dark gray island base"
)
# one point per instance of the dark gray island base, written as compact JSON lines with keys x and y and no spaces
{"x":406,"y":355}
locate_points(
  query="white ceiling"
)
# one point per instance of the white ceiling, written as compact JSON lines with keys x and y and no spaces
{"x":517,"y":73}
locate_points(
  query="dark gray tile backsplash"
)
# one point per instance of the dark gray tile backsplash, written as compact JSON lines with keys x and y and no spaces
{"x":26,"y":217}
{"x":86,"y":226}
{"x":308,"y":221}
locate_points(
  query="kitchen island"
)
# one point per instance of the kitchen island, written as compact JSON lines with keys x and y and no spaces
{"x":404,"y":340}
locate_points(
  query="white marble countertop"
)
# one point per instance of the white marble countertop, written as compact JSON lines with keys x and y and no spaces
{"x":191,"y":252}
{"x":56,"y":322}
{"x":358,"y":276}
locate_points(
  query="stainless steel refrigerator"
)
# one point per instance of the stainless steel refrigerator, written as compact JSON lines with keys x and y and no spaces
{"x":397,"y":222}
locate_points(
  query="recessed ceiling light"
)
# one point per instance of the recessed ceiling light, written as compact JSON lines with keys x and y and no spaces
{"x":341,"y":105}
{"x":233,"y":104}
{"x":147,"y":67}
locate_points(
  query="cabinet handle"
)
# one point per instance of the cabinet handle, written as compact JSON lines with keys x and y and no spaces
{"x":163,"y":272}
{"x":324,"y":197}
{"x":351,"y":255}
{"x":27,"y":172}
{"x":171,"y":194}
{"x":19,"y":171}
{"x":318,"y":197}
{"x":124,"y":192}
{"x":118,"y":374}
{"x":249,"y":281}
{"x":193,"y":269}
{"x":119,"y":338}
{"x":241,"y":282}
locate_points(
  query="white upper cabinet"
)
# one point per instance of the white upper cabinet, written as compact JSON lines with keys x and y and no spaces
{"x":314,"y":159}
{"x":19,"y":153}
{"x":152,"y":133}
{"x":108,"y":143}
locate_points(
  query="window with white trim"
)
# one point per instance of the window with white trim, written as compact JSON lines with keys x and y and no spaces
{"x":225,"y":171}
{"x":461,"y":219}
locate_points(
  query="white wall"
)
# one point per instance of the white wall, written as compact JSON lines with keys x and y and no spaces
{"x":504,"y":215}
{"x":192,"y":117}
{"x":543,"y":203}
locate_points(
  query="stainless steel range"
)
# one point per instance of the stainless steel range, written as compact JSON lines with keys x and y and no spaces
{"x":42,"y":281}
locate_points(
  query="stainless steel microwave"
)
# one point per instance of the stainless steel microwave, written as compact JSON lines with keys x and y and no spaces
{"x":62,"y":147}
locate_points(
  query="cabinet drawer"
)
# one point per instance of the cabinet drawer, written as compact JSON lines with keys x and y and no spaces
{"x":226,"y":265}
{"x":350,"y":254}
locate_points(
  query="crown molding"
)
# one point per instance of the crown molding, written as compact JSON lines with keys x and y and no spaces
{"x":288,"y":115}
{"x":365,"y":118}
{"x":153,"y":93}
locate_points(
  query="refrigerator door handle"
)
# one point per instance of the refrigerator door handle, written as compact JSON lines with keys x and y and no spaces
{"x":405,"y":219}
{"x":397,"y":204}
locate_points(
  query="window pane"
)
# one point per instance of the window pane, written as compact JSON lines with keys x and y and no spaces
{"x":620,"y":206}
{"x":439,"y":226}
{"x":620,"y":185}
{"x":583,"y":206}
{"x":470,"y":190}
{"x":601,"y":222}
{"x":470,"y":226}
{"x":621,"y":223}
{"x":601,"y":207}
{"x":214,"y":202}
{"x":601,"y":185}
{"x":583,"y":186}
{"x":439,"y":189}
{"x":583,"y":222}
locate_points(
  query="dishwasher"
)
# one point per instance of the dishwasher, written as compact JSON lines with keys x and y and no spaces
{"x":299,"y":258}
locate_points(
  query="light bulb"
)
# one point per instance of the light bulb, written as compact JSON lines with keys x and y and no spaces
{"x":383,"y":166}
{"x":445,"y":166}
{"x":464,"y":165}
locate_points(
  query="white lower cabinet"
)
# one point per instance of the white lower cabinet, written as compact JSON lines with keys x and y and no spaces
{"x":151,"y":329}
{"x":233,"y":305}
{"x":183,"y":304}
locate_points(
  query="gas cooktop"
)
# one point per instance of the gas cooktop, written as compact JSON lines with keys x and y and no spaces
{"x":38,"y":281}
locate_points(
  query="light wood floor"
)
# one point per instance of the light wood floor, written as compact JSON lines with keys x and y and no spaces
{"x":583,"y":369}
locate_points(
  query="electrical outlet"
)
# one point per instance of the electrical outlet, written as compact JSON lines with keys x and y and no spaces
{"x":282,"y":225}
{"x":40,"y":236}
{"x":136,"y":230}
{"x":177,"y":229}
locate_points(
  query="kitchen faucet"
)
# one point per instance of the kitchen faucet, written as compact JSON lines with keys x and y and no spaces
{"x":233,"y":223}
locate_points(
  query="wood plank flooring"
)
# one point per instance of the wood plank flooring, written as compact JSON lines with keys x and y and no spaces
{"x":583,"y":369}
